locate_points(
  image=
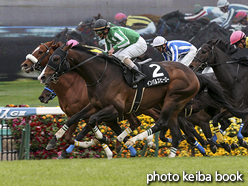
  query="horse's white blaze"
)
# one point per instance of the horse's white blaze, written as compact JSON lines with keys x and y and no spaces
{"x":42,"y":73}
{"x":36,"y":49}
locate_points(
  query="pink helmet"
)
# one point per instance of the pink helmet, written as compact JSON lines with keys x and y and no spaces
{"x":73,"y":42}
{"x":236,"y":36}
{"x":239,"y":16}
{"x":120,"y":17}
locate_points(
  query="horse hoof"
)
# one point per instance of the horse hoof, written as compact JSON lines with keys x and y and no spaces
{"x":244,"y":144}
{"x":129,"y":143}
{"x":153,"y":146}
{"x":52,"y":143}
{"x":118,"y":149}
{"x":171,"y":155}
{"x":63,"y":155}
{"x":104,"y":140}
{"x":234,"y":146}
{"x":213,"y":148}
{"x":206,"y":155}
{"x":96,"y":141}
{"x":227,"y":147}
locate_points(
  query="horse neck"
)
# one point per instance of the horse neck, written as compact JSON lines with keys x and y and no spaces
{"x":90,"y":71}
{"x":65,"y":83}
{"x":225,"y":73}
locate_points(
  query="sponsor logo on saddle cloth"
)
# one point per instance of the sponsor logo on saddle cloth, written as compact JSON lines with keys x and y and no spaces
{"x":155,"y":74}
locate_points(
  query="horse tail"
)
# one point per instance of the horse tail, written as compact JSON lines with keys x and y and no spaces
{"x":216,"y":93}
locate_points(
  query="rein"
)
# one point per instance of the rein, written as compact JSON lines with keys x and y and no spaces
{"x":56,"y":75}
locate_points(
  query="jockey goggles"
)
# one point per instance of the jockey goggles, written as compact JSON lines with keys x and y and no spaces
{"x":99,"y":32}
{"x":158,"y":47}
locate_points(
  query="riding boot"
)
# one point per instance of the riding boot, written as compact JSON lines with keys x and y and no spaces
{"x":137,"y":74}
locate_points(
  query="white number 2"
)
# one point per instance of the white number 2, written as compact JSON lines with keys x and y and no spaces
{"x":155,"y":72}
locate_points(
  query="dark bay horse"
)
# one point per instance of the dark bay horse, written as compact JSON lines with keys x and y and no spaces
{"x":109,"y":91}
{"x":231,"y":74}
{"x":71,"y":91}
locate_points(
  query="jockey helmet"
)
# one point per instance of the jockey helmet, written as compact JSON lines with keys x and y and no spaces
{"x":158,"y":41}
{"x":236,"y":36}
{"x":73,"y":42}
{"x":197,"y":8}
{"x":222,"y":3}
{"x":239,"y":16}
{"x":101,"y":24}
{"x":120,"y":17}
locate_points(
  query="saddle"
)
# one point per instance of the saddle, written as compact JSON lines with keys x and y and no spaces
{"x":155,"y":75}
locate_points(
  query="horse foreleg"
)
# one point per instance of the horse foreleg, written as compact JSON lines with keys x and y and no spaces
{"x":220,"y":137}
{"x":190,"y":132}
{"x":85,"y":113}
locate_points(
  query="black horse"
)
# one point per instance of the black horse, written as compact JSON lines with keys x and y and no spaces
{"x":231,"y":74}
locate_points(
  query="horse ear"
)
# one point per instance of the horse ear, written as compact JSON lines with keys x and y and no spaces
{"x":67,"y":47}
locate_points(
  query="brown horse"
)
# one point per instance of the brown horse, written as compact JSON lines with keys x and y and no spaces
{"x":71,"y":84}
{"x":108,"y":91}
{"x":231,"y":74}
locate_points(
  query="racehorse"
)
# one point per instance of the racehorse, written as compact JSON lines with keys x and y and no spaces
{"x":231,"y":74}
{"x":93,"y":69}
{"x":71,"y":84}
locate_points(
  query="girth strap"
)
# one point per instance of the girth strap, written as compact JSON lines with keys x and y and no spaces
{"x":137,"y":99}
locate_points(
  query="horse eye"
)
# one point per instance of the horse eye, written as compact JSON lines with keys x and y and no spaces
{"x":204,"y":51}
{"x":56,"y":58}
{"x":40,"y":52}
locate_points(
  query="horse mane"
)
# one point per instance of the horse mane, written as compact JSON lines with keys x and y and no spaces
{"x":223,"y":46}
{"x":88,"y":49}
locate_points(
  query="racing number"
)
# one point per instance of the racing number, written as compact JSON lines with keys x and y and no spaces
{"x":155,"y":72}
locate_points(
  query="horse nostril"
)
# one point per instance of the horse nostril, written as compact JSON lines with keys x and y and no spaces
{"x":191,"y":67}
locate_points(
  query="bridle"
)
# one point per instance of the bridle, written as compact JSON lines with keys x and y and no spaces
{"x":52,"y":93}
{"x":64,"y":66}
{"x":206,"y":64}
{"x":35,"y":61}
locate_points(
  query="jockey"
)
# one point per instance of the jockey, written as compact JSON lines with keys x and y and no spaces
{"x":128,"y":43}
{"x":231,"y":9}
{"x":141,"y":24}
{"x":239,"y":39}
{"x":175,"y":50}
{"x":240,"y":21}
{"x":207,"y":12}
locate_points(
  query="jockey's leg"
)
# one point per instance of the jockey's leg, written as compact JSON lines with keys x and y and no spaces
{"x":138,"y":75}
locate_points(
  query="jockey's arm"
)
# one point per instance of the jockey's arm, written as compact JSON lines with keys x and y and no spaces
{"x":174,"y":52}
{"x":229,"y":19}
{"x":196,"y":16}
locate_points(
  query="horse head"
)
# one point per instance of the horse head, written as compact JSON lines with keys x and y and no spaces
{"x":202,"y":58}
{"x":39,"y":57}
{"x":56,"y":66}
{"x":208,"y":54}
{"x":47,"y":94}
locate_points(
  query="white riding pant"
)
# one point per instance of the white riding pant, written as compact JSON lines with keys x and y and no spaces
{"x":150,"y":29}
{"x":207,"y":70}
{"x":188,"y":58}
{"x":132,"y":51}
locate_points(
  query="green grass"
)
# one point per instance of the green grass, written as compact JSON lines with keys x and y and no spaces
{"x":23,"y":91}
{"x":119,"y":171}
